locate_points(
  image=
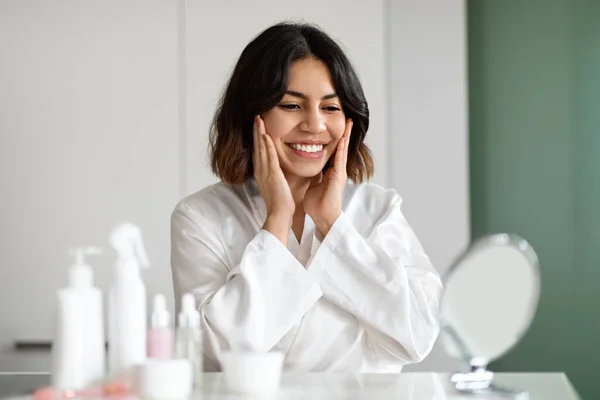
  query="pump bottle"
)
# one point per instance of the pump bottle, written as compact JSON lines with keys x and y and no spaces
{"x":78,"y":352}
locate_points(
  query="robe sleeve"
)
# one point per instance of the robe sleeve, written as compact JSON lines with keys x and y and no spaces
{"x":384,"y":278}
{"x":250,"y":305}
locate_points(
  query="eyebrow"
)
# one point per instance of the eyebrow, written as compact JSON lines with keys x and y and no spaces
{"x":303,"y":96}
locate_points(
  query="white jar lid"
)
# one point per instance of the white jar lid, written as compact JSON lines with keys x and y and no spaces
{"x":165,"y":379}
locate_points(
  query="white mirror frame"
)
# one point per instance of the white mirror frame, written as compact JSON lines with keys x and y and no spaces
{"x":479,"y":379}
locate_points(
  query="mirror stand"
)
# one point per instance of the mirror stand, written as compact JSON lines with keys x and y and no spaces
{"x":478,"y":378}
{"x":479,"y":381}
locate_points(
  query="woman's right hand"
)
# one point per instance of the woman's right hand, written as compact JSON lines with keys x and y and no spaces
{"x":272,"y":184}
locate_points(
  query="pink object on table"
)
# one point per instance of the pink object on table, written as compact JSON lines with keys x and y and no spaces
{"x":115,"y":389}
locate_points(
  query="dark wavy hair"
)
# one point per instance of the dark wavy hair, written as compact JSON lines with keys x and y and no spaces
{"x":258,"y":83}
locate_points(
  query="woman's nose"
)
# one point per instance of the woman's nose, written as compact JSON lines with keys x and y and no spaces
{"x":313,"y":122}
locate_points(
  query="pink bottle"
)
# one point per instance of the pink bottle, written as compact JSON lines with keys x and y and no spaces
{"x":160,"y":334}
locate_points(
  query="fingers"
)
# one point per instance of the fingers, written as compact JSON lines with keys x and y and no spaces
{"x":341,"y":153}
{"x":338,"y":162}
{"x":264,"y":152}
{"x":348,"y":129}
{"x":262,"y":148}
{"x":272,"y":157}
{"x":348,"y":132}
{"x":255,"y":147}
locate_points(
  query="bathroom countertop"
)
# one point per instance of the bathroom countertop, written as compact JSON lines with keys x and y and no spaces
{"x":407,"y":386}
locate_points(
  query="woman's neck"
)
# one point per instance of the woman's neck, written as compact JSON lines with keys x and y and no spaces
{"x":298,"y":187}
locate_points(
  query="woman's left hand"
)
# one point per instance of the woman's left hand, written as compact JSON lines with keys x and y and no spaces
{"x":323,"y":199}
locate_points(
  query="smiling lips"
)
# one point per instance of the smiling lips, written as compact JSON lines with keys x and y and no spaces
{"x":307,"y":150}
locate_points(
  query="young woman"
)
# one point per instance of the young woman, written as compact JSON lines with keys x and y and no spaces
{"x":285,"y":253}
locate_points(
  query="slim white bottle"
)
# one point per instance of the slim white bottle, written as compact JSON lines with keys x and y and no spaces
{"x":127,"y":304}
{"x":189,"y":337}
{"x":160,"y":334}
{"x":78,"y":353}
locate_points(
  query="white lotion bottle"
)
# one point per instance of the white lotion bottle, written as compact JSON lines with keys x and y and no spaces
{"x":189,"y":337}
{"x":127,"y":326}
{"x":78,"y":352}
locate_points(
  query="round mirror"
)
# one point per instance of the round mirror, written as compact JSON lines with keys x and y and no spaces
{"x":490,"y":298}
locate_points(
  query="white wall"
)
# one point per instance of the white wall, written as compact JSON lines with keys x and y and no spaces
{"x":105,"y":108}
{"x":88,"y":130}
{"x":428,"y":139}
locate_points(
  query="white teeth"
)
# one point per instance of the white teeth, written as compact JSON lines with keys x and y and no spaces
{"x":315,"y":148}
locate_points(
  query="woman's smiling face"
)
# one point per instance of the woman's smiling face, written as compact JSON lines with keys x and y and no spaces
{"x":308,"y":122}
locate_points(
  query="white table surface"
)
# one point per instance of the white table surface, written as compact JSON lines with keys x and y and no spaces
{"x":406,"y":386}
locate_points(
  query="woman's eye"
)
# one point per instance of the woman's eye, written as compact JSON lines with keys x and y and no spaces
{"x":332,"y":108}
{"x":289,"y":106}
